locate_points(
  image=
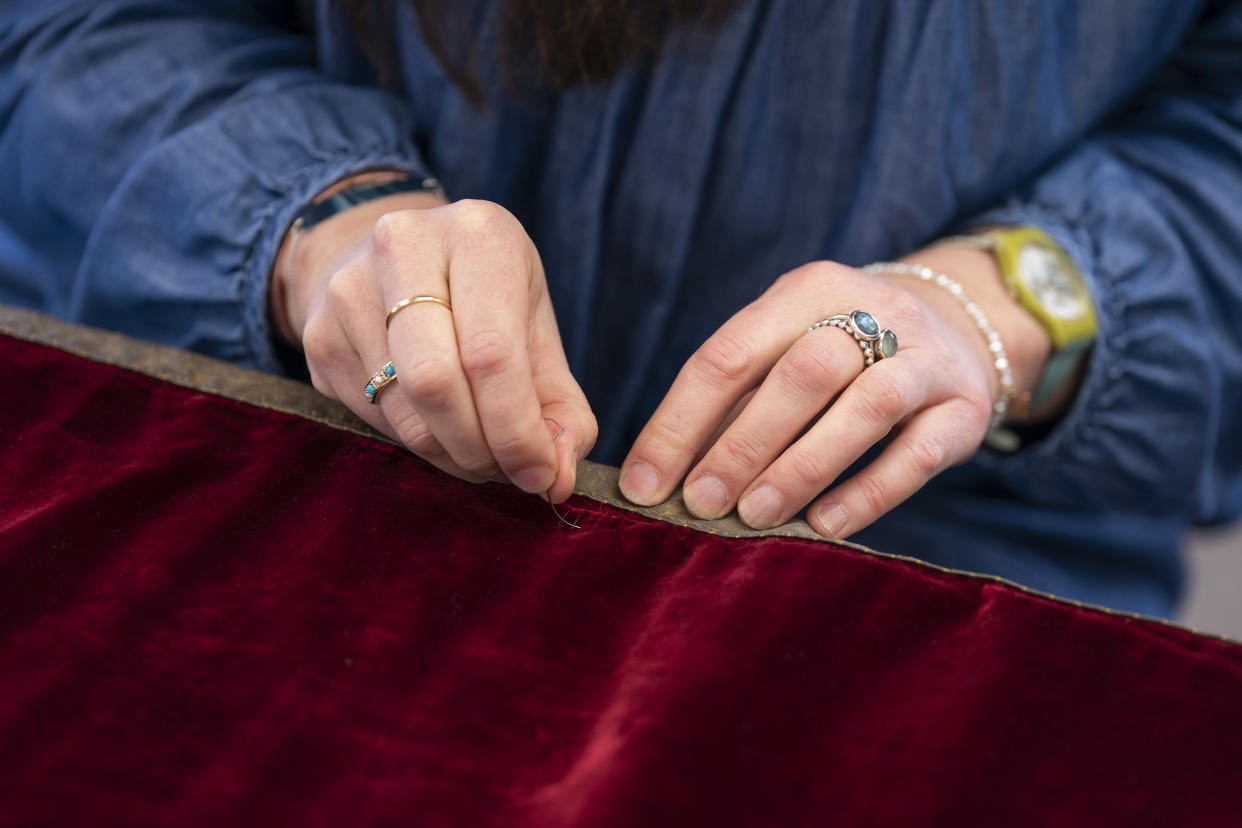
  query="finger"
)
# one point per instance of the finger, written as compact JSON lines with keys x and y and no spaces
{"x":328,"y":352}
{"x":931,"y":442}
{"x":568,"y":449}
{"x":421,"y":342}
{"x":566,"y":458}
{"x":728,"y":365}
{"x":490,"y":285}
{"x":562,"y":401}
{"x":729,"y":420}
{"x":403,"y":423}
{"x":867,"y":410}
{"x":338,"y":372}
{"x":794,"y":394}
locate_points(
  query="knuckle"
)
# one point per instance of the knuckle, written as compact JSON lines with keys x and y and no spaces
{"x":319,"y":341}
{"x":971,"y":424}
{"x":925,"y":457}
{"x":343,"y":291}
{"x":884,"y":400}
{"x":724,"y":359}
{"x":590,"y":436}
{"x":431,"y":385}
{"x":320,"y":383}
{"x":412,"y":430}
{"x":818,"y":273}
{"x":516,"y":452}
{"x":813,"y":366}
{"x":978,"y":413}
{"x":392,"y":231}
{"x":901,"y":307}
{"x":981,"y":421}
{"x":811,"y":470}
{"x":873,"y":492}
{"x":961,"y":451}
{"x":479,"y":465}
{"x":485,"y":353}
{"x":665,"y":437}
{"x":477,"y":217}
{"x":742,"y":451}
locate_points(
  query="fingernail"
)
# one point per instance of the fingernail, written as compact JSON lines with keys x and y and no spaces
{"x":639,"y":483}
{"x":707,"y":497}
{"x":832,"y":517}
{"x":535,"y":480}
{"x":761,"y":509}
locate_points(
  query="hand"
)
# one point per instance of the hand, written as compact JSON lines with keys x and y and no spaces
{"x":481,"y":391}
{"x":815,"y":411}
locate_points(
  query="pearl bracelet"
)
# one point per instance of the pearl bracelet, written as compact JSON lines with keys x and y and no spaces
{"x":1008,"y":390}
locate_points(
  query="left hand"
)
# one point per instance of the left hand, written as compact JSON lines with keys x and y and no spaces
{"x":815,"y":411}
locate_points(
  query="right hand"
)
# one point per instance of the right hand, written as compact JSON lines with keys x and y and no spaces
{"x":481,"y":391}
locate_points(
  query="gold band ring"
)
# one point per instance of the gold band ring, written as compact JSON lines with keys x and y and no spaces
{"x":413,"y":300}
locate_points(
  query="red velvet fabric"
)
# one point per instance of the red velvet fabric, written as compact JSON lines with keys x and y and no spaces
{"x":214,"y":614}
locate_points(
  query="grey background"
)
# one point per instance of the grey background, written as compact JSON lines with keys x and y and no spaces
{"x":1213,"y":601}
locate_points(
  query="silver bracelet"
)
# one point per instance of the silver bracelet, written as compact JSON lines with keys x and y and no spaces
{"x":1008,"y":390}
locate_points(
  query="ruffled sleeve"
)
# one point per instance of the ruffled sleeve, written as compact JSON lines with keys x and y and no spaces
{"x":1150,"y":207}
{"x":159,"y":151}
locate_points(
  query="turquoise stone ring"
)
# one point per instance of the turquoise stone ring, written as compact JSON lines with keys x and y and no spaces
{"x":377,"y":382}
{"x":875,"y":342}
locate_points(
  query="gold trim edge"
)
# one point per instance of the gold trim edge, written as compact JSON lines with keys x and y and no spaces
{"x":596,"y":481}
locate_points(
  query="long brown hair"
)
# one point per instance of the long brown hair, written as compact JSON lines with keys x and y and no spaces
{"x":552,"y":44}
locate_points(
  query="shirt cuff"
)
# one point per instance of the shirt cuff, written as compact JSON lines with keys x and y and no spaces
{"x":182,"y":253}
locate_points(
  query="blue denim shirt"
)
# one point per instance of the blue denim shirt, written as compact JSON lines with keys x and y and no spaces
{"x":153,"y":153}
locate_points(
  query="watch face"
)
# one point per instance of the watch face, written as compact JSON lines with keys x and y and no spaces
{"x":1054,"y":287}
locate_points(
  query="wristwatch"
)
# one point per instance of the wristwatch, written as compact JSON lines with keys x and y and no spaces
{"x":1045,"y":282}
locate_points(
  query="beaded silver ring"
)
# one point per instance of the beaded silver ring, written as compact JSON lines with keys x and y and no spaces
{"x":875,"y":342}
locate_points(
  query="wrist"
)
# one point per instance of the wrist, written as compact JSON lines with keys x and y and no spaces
{"x":306,"y":256}
{"x":1027,"y":344}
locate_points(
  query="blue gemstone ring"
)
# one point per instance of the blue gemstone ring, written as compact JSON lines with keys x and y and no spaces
{"x":377,"y":382}
{"x":876,"y":343}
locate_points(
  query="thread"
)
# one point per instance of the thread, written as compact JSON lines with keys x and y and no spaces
{"x":545,"y":494}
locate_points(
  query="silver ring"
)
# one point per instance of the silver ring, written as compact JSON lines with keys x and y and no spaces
{"x":875,"y":342}
{"x":377,"y":382}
